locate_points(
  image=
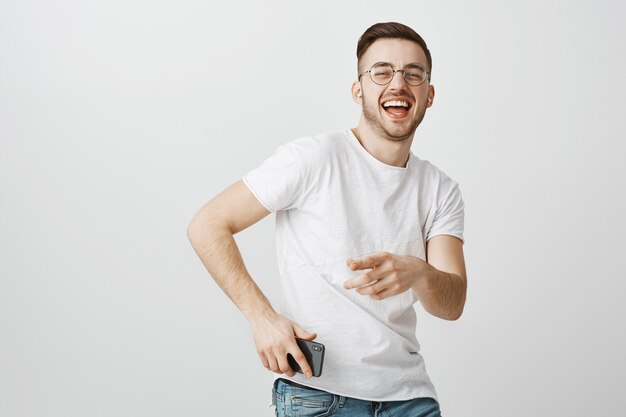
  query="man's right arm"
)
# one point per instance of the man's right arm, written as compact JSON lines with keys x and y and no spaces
{"x":211,"y":234}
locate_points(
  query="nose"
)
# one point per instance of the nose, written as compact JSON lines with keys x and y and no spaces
{"x":398,"y":82}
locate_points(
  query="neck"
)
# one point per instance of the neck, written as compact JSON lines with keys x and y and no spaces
{"x":394,"y":152}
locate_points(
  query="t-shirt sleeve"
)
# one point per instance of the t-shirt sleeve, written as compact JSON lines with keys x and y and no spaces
{"x":277,"y":182}
{"x":450,"y":211}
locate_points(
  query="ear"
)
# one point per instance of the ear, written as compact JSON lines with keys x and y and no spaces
{"x":431,"y":96}
{"x":357,"y":93}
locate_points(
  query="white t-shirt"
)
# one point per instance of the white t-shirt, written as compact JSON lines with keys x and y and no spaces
{"x":333,"y":201}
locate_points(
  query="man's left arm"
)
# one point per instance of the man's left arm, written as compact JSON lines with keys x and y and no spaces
{"x":440,"y":282}
{"x":443,"y":292}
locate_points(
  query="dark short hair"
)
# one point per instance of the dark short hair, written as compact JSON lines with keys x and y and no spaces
{"x":391,"y":30}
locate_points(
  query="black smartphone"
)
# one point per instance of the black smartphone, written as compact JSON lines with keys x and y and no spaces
{"x":314,"y":354}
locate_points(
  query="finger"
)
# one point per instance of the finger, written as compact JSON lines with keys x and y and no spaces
{"x":273,"y":364}
{"x":283,"y":365}
{"x":369,"y":261}
{"x":363,"y":262}
{"x":264,"y":360}
{"x":301,"y":360}
{"x":388,"y":288}
{"x":375,"y":288}
{"x":387,"y":292}
{"x":365,"y":279}
{"x":359,"y":281}
{"x":302,"y":334}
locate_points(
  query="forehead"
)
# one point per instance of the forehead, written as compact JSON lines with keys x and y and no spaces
{"x":398,"y":52}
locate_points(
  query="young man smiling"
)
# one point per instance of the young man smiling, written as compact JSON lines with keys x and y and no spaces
{"x":364,"y":230}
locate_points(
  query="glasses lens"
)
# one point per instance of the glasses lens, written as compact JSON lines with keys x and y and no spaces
{"x":381,"y":73}
{"x":414,"y":74}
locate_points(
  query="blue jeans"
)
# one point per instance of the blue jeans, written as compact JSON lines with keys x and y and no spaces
{"x":296,"y":401}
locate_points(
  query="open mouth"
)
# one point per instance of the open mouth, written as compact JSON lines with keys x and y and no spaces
{"x":397,"y":108}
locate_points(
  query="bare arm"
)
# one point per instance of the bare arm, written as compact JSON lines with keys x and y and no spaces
{"x":439,"y":284}
{"x":211,"y":235}
{"x":446,"y":289}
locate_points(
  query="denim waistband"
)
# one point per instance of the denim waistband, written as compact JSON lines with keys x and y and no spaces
{"x":295,"y":384}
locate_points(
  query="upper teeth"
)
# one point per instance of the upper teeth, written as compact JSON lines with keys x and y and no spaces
{"x":396,"y":103}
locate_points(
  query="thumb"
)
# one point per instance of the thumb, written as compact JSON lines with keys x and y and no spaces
{"x":302,"y":334}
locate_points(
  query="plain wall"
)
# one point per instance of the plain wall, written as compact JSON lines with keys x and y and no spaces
{"x":120,"y":119}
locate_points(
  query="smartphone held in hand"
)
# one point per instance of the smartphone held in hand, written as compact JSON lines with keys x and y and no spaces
{"x":314,"y":354}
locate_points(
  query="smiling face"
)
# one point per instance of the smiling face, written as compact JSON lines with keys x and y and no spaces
{"x":394,"y":110}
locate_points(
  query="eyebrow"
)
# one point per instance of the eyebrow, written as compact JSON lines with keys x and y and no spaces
{"x":389,"y":63}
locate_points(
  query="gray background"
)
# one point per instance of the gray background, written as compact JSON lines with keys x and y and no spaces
{"x":119,"y":119}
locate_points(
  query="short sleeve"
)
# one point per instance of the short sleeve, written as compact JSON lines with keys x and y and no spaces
{"x":277,"y":182}
{"x":450,"y":212}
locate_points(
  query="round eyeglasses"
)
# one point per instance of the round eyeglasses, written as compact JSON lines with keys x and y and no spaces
{"x":382,"y":73}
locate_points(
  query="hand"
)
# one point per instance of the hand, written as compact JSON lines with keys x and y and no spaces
{"x":390,"y":275}
{"x":274,"y":336}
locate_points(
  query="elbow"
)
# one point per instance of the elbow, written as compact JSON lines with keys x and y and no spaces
{"x":456,"y":312}
{"x":203,"y":225}
{"x":190,"y":233}
{"x":459,"y":311}
{"x":461,"y":305}
{"x":456,"y":316}
{"x":197,"y":227}
{"x":192,"y":229}
{"x":193,"y":235}
{"x":450,"y":316}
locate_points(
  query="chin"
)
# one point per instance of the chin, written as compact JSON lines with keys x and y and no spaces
{"x":399,"y":134}
{"x":395,"y":137}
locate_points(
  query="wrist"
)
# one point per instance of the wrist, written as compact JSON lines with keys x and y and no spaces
{"x":423,"y":277}
{"x":264,"y":313}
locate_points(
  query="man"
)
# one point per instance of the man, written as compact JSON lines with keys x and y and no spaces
{"x":364,"y":229}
